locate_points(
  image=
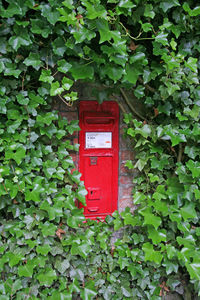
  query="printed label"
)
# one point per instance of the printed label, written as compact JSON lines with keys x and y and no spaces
{"x":98,"y":140}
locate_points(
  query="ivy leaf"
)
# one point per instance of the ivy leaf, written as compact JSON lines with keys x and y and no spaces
{"x":150,"y":218}
{"x":139,"y":91}
{"x":44,"y":250}
{"x":95,"y":10}
{"x":52,"y":16}
{"x":132,"y":74}
{"x":66,"y":83}
{"x":146,"y":27}
{"x":151,"y":254}
{"x":10,"y":70}
{"x":79,"y":71}
{"x":12,"y":287}
{"x":126,"y":4}
{"x":64,"y":66}
{"x":162,"y":38}
{"x":20,"y":154}
{"x":17,"y":41}
{"x":62,"y":265}
{"x":26,"y":270}
{"x":76,"y":218}
{"x":68,"y":4}
{"x":22,"y":99}
{"x":191,"y":63}
{"x":138,"y":198}
{"x":48,"y":229}
{"x":81,"y":193}
{"x":59,"y":47}
{"x":149,"y":11}
{"x":129,"y":219}
{"x":56,"y":89}
{"x":194,"y":270}
{"x":188,"y":211}
{"x":103,"y":27}
{"x":157,"y":236}
{"x":145,"y":130}
{"x":171,"y":267}
{"x":169,"y":4}
{"x":129,"y":164}
{"x":47,"y":277}
{"x":114,"y":73}
{"x":89,"y":291}
{"x":46,"y":76}
{"x":194,"y":167}
{"x":33,"y":60}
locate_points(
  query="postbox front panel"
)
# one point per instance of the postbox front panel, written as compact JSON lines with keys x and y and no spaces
{"x":98,"y":162}
{"x":99,"y":184}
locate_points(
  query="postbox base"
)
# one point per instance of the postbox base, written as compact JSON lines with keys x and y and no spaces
{"x":96,"y":218}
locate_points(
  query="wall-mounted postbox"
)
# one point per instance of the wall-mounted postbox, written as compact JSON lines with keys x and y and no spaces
{"x":98,"y":161}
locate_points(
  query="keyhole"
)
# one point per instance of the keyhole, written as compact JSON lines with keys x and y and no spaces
{"x":91,"y":192}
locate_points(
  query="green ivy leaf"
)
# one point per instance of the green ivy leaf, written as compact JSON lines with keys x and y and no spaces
{"x":47,"y":277}
{"x":191,"y":63}
{"x":48,"y":229}
{"x":166,"y":5}
{"x":22,"y":99}
{"x":62,"y":265}
{"x":26,"y":270}
{"x":150,"y":218}
{"x":157,"y":236}
{"x":33,"y":60}
{"x":89,"y":291}
{"x":68,"y":4}
{"x":56,"y":89}
{"x":63,"y":66}
{"x":139,"y":91}
{"x":76,"y":218}
{"x":46,"y":76}
{"x":194,"y":270}
{"x":188,"y":211}
{"x":162,"y":38}
{"x":52,"y":16}
{"x":44,"y":250}
{"x":79,"y":71}
{"x":151,"y":254}
{"x":103,"y":27}
{"x":149,"y":11}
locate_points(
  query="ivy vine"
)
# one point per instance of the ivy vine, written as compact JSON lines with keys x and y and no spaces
{"x":132,"y":50}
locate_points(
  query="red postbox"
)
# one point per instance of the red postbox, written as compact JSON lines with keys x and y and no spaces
{"x":98,"y":161}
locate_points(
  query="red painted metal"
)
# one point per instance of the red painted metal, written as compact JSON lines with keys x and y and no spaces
{"x":99,"y":152}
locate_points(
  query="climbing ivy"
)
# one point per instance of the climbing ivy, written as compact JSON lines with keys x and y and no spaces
{"x":146,"y":53}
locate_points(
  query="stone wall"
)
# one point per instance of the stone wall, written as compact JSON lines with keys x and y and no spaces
{"x":125,"y":184}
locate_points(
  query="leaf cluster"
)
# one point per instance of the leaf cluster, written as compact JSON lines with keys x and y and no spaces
{"x":149,"y":49}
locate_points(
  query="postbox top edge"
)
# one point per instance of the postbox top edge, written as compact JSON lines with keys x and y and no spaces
{"x":93,"y":105}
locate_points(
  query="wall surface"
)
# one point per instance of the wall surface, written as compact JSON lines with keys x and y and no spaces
{"x":125,"y":184}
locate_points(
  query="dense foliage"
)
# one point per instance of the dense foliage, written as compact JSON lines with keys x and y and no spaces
{"x":147,"y":50}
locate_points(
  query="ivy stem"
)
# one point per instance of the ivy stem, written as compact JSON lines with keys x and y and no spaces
{"x":137,"y":38}
{"x":148,"y":87}
{"x":120,"y":105}
{"x":5,"y":188}
{"x":64,"y":100}
{"x":131,"y":106}
{"x":23,"y":78}
{"x":180,"y":152}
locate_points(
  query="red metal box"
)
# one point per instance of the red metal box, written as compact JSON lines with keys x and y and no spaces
{"x":98,"y":161}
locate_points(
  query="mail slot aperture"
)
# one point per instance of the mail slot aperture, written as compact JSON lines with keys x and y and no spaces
{"x":98,"y":161}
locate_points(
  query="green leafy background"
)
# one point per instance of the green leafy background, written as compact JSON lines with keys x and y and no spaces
{"x":139,"y":50}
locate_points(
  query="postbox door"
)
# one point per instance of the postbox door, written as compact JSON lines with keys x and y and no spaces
{"x":97,"y":172}
{"x":99,"y":150}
